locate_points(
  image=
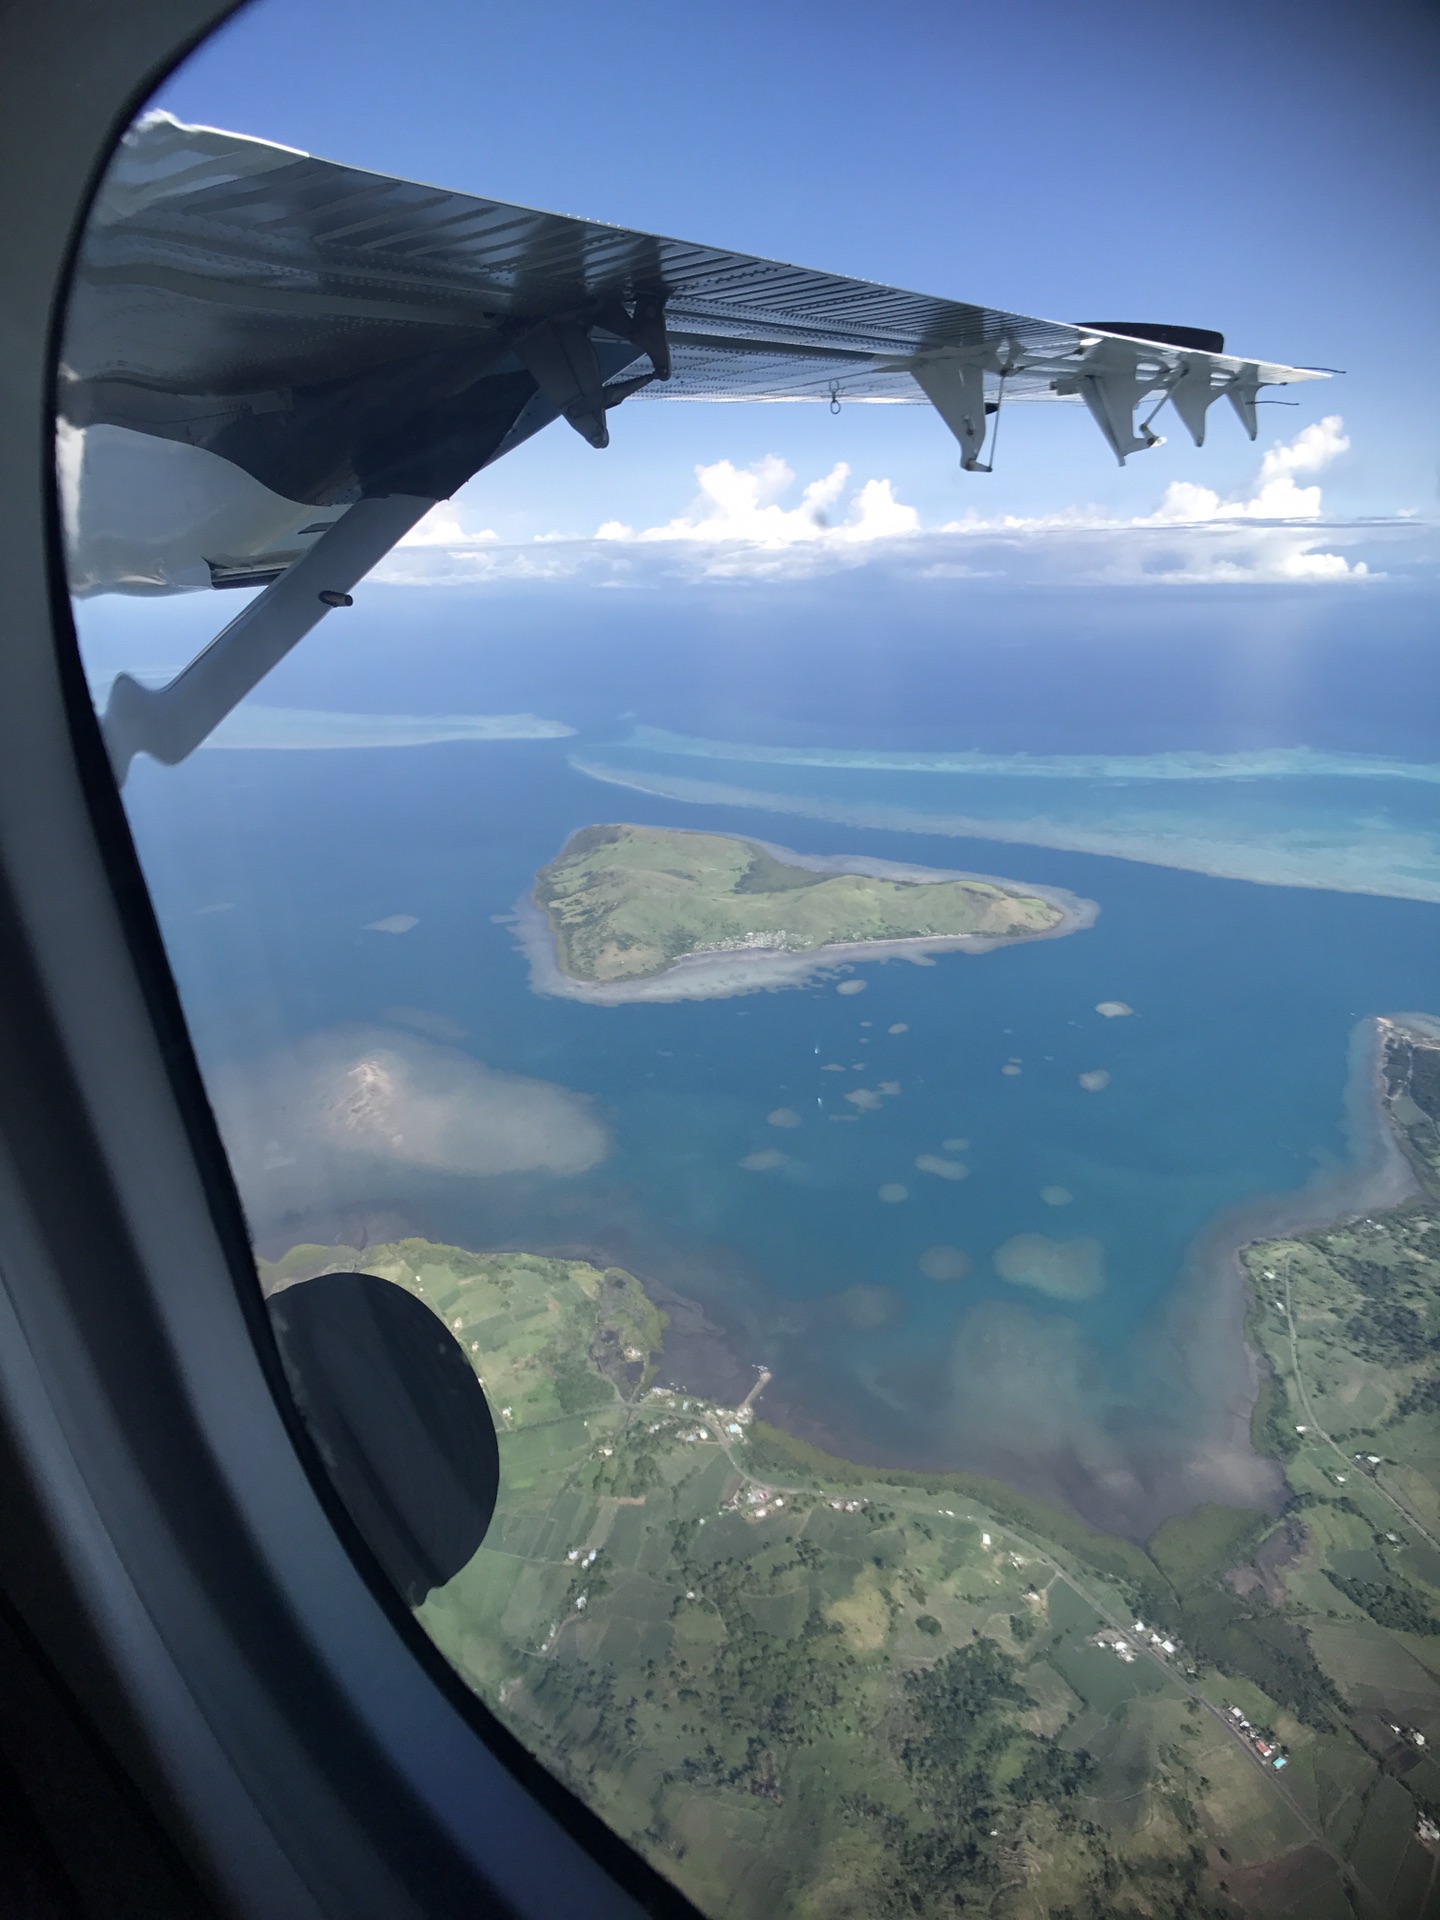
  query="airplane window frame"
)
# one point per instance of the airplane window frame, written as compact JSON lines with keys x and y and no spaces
{"x":174,"y":1547}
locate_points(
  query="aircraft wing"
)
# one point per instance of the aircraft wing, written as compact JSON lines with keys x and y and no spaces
{"x":333,"y":333}
{"x":271,"y":360}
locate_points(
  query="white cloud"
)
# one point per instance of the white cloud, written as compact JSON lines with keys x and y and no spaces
{"x":1270,"y":533}
{"x":1276,"y":496}
{"x":441,"y":527}
{"x":741,"y":506}
{"x":737,"y":524}
{"x":351,"y":1114}
{"x":746,"y":523}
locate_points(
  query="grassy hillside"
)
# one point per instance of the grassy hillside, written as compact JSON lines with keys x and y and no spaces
{"x":807,"y":1689}
{"x":1348,"y":1320}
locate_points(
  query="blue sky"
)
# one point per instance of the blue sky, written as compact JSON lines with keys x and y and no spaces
{"x":1268,"y":169}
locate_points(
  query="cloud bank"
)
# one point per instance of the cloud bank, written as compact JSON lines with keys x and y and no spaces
{"x":347,"y":1115}
{"x":741,"y":507}
{"x":758,"y":523}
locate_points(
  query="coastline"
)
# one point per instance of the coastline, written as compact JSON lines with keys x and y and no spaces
{"x":1193,"y":1444}
{"x":1184,"y":1439}
{"x":721,"y":976}
{"x":702,"y":1356}
{"x":1215,"y":1297}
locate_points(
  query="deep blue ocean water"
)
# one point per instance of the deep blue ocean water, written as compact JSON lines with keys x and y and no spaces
{"x":1226,"y":1084}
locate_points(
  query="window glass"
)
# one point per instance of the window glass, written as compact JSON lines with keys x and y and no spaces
{"x":890,"y":1011}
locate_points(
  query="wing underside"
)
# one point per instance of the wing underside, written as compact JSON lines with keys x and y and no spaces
{"x":274,"y":365}
{"x":330,"y":334}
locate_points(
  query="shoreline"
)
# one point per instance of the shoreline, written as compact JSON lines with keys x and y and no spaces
{"x":1186,"y":1442}
{"x":722,"y":976}
{"x":1201,"y":1349}
{"x":1201,"y":1358}
{"x":695,"y":1345}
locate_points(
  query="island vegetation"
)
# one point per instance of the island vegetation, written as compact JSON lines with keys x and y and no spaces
{"x":803,"y":1686}
{"x":624,"y":903}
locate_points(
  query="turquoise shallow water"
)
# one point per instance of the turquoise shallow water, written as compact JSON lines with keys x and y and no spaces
{"x":1349,"y":823}
{"x":1227,"y":1081}
{"x":1227,"y":1084}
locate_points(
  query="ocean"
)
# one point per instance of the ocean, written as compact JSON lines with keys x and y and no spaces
{"x":1158,"y":775}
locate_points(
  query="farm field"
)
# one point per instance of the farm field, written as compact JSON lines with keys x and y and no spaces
{"x":1348,"y":1322}
{"x":806,"y":1687}
{"x":803,"y":1688}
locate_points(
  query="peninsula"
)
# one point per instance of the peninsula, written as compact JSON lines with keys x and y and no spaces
{"x":635,"y":912}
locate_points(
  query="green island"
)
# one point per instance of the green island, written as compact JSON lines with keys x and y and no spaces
{"x":807,"y":1688}
{"x":625,"y":903}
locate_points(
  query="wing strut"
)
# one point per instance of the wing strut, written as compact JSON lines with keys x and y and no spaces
{"x":169,"y":722}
